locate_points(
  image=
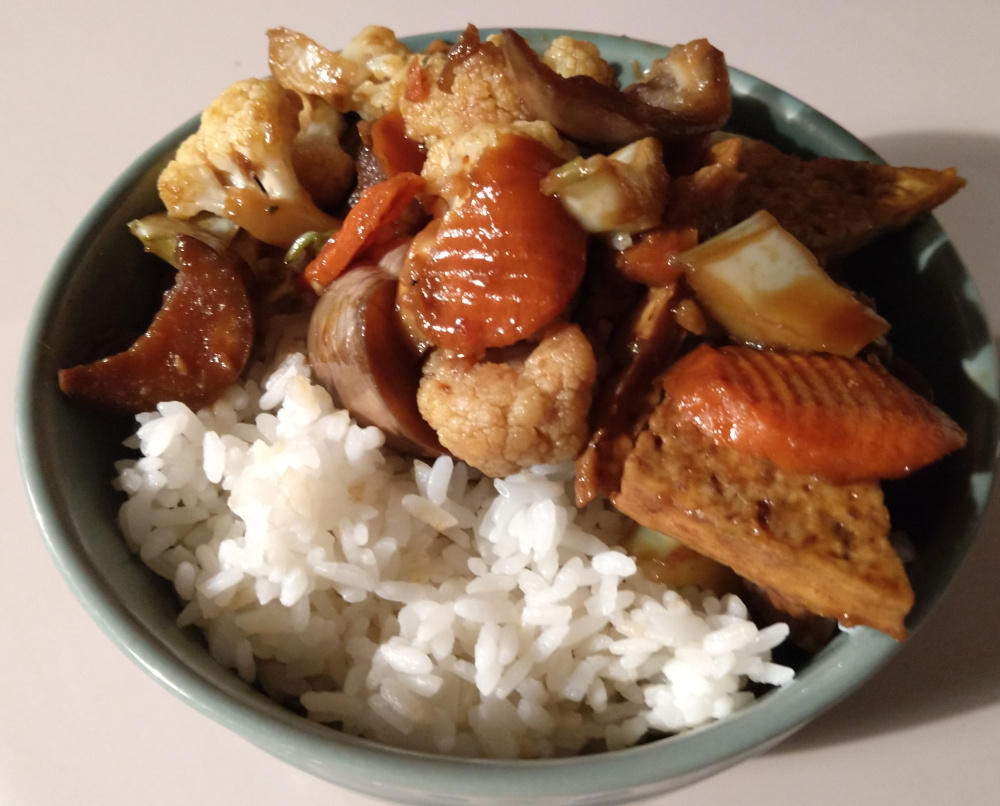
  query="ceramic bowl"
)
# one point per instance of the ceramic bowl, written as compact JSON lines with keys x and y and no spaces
{"x":67,"y":455}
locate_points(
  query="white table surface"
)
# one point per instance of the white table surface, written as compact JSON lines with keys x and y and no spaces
{"x":87,"y":86}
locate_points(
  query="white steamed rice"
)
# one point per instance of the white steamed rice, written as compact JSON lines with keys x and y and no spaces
{"x":420,"y":605}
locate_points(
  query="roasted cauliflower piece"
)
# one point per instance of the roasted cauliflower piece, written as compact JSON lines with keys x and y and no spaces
{"x":571,"y":57}
{"x":502,"y":417}
{"x":450,"y":94}
{"x":239,"y":166}
{"x":450,"y":158}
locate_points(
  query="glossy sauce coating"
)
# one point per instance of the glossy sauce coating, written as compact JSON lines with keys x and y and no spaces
{"x":195,"y":348}
{"x":396,"y":152}
{"x":371,"y":222}
{"x":502,"y":265}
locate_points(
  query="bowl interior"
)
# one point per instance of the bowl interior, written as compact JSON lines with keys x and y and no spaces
{"x":103,"y":281}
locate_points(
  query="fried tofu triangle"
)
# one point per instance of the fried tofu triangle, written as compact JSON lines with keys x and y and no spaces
{"x":822,"y":546}
{"x":835,"y":206}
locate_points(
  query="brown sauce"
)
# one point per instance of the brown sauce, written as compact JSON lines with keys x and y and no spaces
{"x":502,"y":265}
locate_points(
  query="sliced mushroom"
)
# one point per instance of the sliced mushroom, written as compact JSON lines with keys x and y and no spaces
{"x":691,"y":83}
{"x":590,"y":112}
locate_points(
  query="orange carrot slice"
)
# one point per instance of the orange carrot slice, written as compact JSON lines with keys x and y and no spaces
{"x":843,"y":419}
{"x":648,"y":260}
{"x":371,"y":221}
{"x":503,"y":264}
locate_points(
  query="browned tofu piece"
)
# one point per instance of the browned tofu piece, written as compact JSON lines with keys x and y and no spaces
{"x":835,"y":206}
{"x":821,"y":546}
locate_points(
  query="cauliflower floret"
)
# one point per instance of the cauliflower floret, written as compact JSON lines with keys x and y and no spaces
{"x":501,"y":417}
{"x":384,"y":61}
{"x":450,"y":158}
{"x":477,"y":90}
{"x":576,"y":57}
{"x":323,"y":167}
{"x":239,"y":165}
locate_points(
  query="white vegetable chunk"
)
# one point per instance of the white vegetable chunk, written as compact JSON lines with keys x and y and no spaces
{"x":766,"y":288}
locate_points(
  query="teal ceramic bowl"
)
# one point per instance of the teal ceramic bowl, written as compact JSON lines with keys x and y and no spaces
{"x":67,"y":455}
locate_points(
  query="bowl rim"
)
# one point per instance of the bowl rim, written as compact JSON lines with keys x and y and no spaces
{"x":631,"y":773}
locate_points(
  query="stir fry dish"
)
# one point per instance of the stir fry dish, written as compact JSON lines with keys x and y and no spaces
{"x":518,"y":259}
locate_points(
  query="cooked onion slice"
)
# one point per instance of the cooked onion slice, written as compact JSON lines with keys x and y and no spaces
{"x":502,"y":265}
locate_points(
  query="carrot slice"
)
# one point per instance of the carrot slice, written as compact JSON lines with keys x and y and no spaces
{"x":648,"y":260}
{"x":371,"y":221}
{"x":503,"y":264}
{"x":843,"y":419}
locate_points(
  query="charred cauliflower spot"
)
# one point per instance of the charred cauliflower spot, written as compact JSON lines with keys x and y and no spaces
{"x":501,"y":417}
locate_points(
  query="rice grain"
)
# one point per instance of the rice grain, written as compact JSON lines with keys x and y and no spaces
{"x":417,"y":603}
